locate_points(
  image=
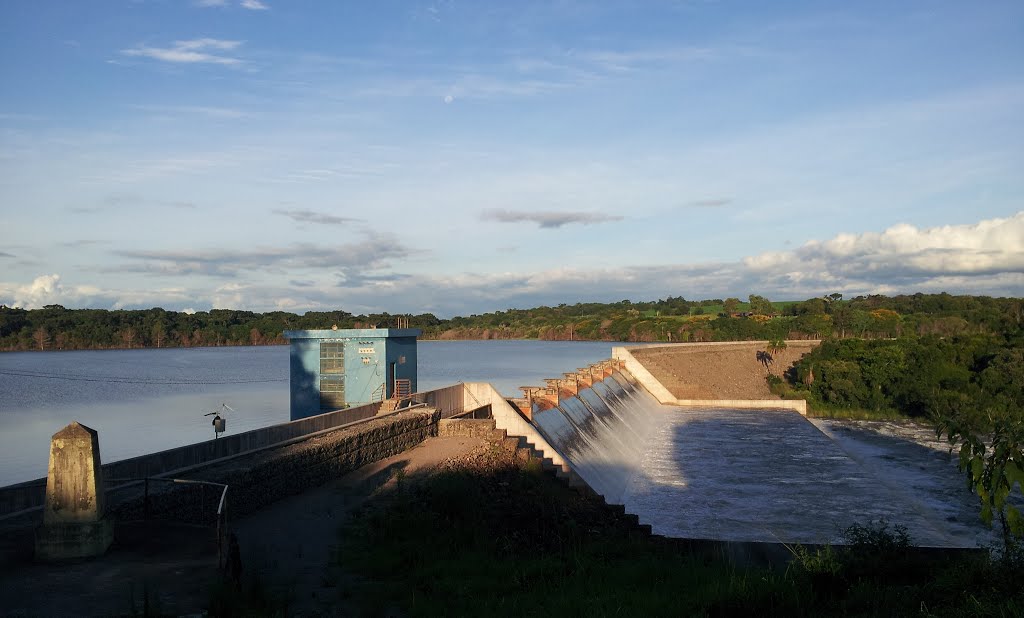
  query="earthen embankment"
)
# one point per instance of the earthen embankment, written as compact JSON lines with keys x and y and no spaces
{"x":707,"y":371}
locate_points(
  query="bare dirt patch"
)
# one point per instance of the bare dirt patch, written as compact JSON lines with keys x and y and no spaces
{"x":716,"y":371}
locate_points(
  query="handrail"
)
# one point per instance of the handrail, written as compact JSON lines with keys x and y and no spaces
{"x":403,"y":388}
{"x":221,"y":504}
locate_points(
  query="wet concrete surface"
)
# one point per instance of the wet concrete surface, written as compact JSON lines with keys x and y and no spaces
{"x":775,"y":476}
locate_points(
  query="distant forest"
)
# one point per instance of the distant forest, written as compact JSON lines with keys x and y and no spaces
{"x":673,"y":319}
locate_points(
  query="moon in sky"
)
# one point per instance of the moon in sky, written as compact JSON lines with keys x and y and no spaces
{"x":448,"y":98}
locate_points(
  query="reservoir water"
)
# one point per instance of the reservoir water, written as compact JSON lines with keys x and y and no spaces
{"x":142,"y":401}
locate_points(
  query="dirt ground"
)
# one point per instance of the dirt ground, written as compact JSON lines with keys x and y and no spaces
{"x":712,"y":371}
{"x":171,"y":569}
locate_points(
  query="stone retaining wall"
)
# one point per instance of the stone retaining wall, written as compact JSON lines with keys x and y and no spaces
{"x":259,"y":479}
{"x":466,"y":428}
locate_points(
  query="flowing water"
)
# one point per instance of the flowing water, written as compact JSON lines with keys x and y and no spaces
{"x":603,"y":431}
{"x":756,"y":475}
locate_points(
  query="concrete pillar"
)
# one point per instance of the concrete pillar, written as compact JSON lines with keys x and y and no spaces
{"x":567,"y":387}
{"x":74,"y":525}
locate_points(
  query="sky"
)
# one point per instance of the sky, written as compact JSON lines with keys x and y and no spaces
{"x":466,"y":157}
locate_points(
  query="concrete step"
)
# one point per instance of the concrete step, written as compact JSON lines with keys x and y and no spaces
{"x":388,"y":405}
{"x":510,"y":444}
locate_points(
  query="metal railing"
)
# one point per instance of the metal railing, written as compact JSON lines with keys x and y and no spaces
{"x":403,"y":388}
{"x":221,"y":517}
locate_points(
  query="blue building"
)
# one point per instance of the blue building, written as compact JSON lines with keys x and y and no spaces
{"x":333,"y":369}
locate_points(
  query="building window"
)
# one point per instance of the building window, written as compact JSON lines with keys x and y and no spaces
{"x":332,"y":357}
{"x":332,"y":392}
{"x":332,"y":375}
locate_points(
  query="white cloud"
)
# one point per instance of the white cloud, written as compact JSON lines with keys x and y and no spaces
{"x":50,"y":290}
{"x":189,"y":51}
{"x":987,"y":247}
{"x":44,"y":290}
{"x":254,"y":5}
{"x":986,"y":257}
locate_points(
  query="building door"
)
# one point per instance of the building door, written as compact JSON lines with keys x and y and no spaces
{"x":391,"y":380}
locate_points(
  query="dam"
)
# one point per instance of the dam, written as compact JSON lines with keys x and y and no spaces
{"x":729,"y":480}
{"x":727,"y":471}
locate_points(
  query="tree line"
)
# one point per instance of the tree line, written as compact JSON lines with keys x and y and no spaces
{"x":672,"y":319}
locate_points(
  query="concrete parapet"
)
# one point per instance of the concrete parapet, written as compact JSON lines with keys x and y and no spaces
{"x":508,"y":418}
{"x":799,"y":405}
{"x":644,"y":377}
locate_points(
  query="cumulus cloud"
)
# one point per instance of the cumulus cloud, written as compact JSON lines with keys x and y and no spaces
{"x":548,"y":219}
{"x":310,"y":216}
{"x":986,"y":257}
{"x":50,"y":290}
{"x":190,"y":51}
{"x":902,"y":255}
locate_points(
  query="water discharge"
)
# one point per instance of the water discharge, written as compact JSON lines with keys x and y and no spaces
{"x":753,"y":474}
{"x":603,"y":432}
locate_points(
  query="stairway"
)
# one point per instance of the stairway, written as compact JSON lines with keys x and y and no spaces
{"x":523,"y":449}
{"x":526,"y":452}
{"x":388,"y":406}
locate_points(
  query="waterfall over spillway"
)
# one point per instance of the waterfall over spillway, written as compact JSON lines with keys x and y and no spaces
{"x":745,"y":474}
{"x":602,"y":432}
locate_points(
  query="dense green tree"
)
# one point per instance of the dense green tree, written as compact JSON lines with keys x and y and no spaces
{"x":759,"y":305}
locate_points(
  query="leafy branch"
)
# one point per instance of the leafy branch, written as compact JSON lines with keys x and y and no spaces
{"x":993,"y":470}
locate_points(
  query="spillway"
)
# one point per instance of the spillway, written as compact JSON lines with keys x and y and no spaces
{"x":603,"y":431}
{"x":757,"y":475}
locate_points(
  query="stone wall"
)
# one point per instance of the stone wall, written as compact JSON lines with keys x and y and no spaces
{"x":466,"y":428}
{"x":261,"y":478}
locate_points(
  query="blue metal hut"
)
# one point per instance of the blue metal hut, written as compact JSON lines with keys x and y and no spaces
{"x":339,"y":368}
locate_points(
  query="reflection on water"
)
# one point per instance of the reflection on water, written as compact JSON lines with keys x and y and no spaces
{"x":141,"y":401}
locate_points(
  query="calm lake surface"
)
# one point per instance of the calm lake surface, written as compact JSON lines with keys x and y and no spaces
{"x":142,"y":401}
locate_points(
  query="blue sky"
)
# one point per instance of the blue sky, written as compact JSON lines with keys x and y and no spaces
{"x":466,"y":157}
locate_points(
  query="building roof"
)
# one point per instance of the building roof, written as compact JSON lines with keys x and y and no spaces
{"x":353,"y":333}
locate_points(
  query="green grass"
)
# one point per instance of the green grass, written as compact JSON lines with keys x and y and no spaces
{"x":856,"y":414}
{"x":519,"y":543}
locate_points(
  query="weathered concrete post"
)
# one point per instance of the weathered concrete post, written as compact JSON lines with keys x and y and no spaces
{"x":73,"y":521}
